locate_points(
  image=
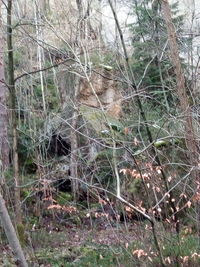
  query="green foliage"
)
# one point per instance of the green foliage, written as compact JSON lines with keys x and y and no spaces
{"x":105,"y":125}
{"x":104,"y":174}
{"x":21,"y":234}
{"x":90,"y":255}
{"x":26,"y":147}
{"x":135,"y":187}
{"x":151,"y":52}
{"x":63,"y":198}
{"x":106,"y":61}
{"x":9,"y":176}
{"x":93,"y":254}
{"x":186,"y":246}
{"x":51,"y":95}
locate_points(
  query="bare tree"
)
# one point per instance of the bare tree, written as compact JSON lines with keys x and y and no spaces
{"x":11,"y":234}
{"x":4,"y":147}
{"x":4,"y":157}
{"x":11,"y":85}
{"x":180,"y":79}
{"x":190,"y":138}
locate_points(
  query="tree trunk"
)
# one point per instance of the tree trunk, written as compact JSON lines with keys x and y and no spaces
{"x":74,"y":142}
{"x":4,"y":147}
{"x":4,"y":157}
{"x":191,"y":142}
{"x":11,"y":234}
{"x":39,"y":36}
{"x":11,"y":84}
{"x":181,"y":89}
{"x":73,"y":135}
{"x":74,"y":156}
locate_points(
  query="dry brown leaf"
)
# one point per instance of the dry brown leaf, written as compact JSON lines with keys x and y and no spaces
{"x":126,"y":130}
{"x":189,"y":203}
{"x":185,"y":259}
{"x":169,"y":179}
{"x":183,"y":195}
{"x":57,"y":206}
{"x":139,"y":253}
{"x":195,"y":255}
{"x":101,"y":257}
{"x":136,"y":142}
{"x":196,"y":197}
{"x":168,"y":260}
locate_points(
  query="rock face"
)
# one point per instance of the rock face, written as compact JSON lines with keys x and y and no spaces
{"x":101,"y":91}
{"x":84,"y":40}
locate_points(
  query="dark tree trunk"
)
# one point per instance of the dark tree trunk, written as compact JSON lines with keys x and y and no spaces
{"x":4,"y":158}
{"x":4,"y":146}
{"x":11,"y":85}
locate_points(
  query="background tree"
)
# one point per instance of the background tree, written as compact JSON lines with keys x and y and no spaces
{"x":4,"y":157}
{"x":14,"y":121}
{"x":151,"y":65}
{"x":190,"y":139}
{"x":4,"y":144}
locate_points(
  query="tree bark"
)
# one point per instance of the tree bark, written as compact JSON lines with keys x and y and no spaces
{"x":190,"y":140}
{"x":11,"y":85}
{"x":11,"y":234}
{"x":39,"y":35}
{"x":4,"y":157}
{"x":73,"y":136}
{"x":4,"y":146}
{"x":74,"y":156}
{"x":181,"y":89}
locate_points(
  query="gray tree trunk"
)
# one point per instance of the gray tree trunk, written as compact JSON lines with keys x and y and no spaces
{"x":74,"y":145}
{"x":11,"y":234}
{"x":4,"y":147}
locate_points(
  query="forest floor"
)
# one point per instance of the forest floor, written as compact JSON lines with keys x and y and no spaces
{"x":75,"y":241}
{"x":83,"y":245}
{"x":79,"y":246}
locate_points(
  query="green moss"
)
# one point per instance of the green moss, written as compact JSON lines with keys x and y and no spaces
{"x":161,"y":143}
{"x":185,"y":246}
{"x":63,"y":198}
{"x":135,"y":186}
{"x":90,"y":255}
{"x":21,"y":234}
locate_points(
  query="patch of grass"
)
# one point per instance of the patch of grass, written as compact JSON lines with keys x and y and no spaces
{"x":186,"y":246}
{"x":63,"y":198}
{"x":87,"y":256}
